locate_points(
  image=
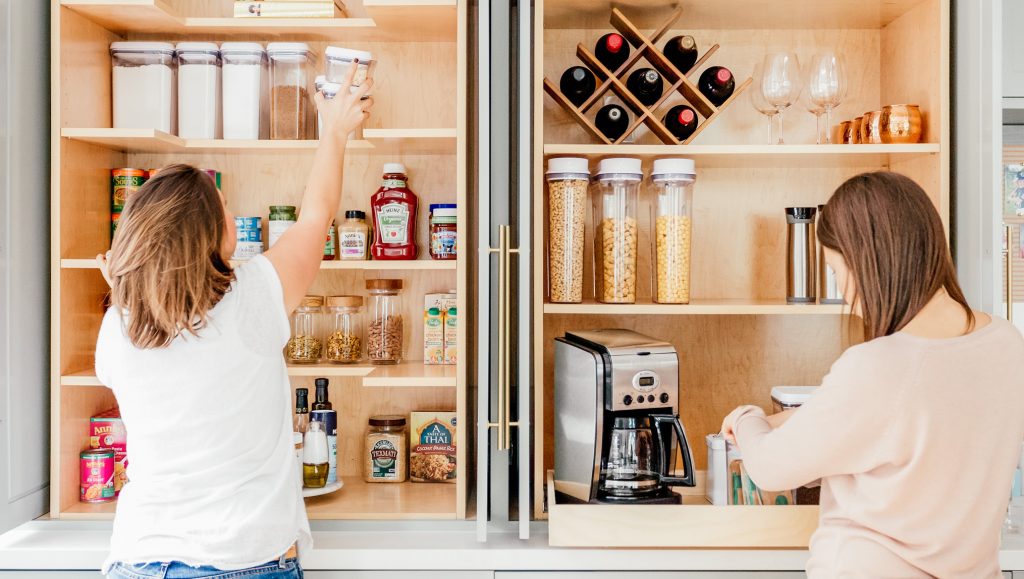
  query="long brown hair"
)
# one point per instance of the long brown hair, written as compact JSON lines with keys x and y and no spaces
{"x":890,"y":234}
{"x":166,"y":267}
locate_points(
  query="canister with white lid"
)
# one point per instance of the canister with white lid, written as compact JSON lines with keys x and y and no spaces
{"x":330,"y":90}
{"x":673,"y":178}
{"x":144,"y":86}
{"x":291,"y":105}
{"x":790,"y":397}
{"x":198,"y":90}
{"x":616,"y":230}
{"x":245,"y":91}
{"x":340,"y":59}
{"x":568,"y":179}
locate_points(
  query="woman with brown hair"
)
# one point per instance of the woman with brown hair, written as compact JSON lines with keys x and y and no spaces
{"x":915,"y":433}
{"x":192,"y":349}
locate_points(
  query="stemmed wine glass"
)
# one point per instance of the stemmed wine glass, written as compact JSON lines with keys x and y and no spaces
{"x":761,"y":104}
{"x":815,"y":110}
{"x":826,"y":84}
{"x":781,"y":83}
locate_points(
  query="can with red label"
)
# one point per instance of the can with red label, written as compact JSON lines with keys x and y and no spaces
{"x":96,"y":468}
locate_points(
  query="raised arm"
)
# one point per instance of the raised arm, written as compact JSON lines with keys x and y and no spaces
{"x":297,"y":254}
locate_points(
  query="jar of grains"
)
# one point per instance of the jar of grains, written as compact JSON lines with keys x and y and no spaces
{"x":344,"y":329}
{"x":199,"y":90}
{"x":568,"y":179}
{"x":673,"y":229}
{"x":305,"y":346}
{"x":615,"y":230}
{"x":291,"y":111}
{"x":384,"y":455}
{"x":244,"y":96}
{"x":143,"y":86}
{"x":384,"y":334}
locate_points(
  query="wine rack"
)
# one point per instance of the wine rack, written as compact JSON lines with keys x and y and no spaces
{"x":644,"y":47}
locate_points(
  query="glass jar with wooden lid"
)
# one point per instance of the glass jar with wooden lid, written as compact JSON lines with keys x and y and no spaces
{"x":344,"y":341}
{"x":306,"y":344}
{"x":384,"y":334}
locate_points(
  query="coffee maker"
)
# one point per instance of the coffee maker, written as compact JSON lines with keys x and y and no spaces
{"x":617,"y":419}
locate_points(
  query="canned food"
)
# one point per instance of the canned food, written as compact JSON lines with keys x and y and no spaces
{"x":123,"y":184}
{"x":114,"y":218}
{"x":249,"y":223}
{"x":96,"y":468}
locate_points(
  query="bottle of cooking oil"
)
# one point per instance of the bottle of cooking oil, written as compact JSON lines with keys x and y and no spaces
{"x":314,"y":457}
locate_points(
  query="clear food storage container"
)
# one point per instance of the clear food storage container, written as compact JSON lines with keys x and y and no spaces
{"x":673,"y":229}
{"x":384,"y":332}
{"x":291,"y":105}
{"x":198,"y":90}
{"x":143,"y":86}
{"x":790,"y":397}
{"x":306,"y":345}
{"x":245,"y":87}
{"x":330,"y":90}
{"x":344,"y":329}
{"x":615,"y":230}
{"x":340,"y":59}
{"x":568,"y":179}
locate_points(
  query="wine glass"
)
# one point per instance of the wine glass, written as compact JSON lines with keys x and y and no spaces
{"x":761,"y":104}
{"x":826,"y":84}
{"x":815,"y":110}
{"x":781,"y":83}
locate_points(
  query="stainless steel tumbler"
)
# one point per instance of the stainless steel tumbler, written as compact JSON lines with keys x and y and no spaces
{"x":800,"y":255}
{"x":828,"y":285}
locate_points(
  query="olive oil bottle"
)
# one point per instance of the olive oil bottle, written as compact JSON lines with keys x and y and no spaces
{"x":315,"y":464}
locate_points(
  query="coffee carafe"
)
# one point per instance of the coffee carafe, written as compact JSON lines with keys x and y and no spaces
{"x":617,"y":423}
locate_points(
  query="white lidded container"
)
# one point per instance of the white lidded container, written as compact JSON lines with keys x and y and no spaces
{"x":291,"y":106}
{"x":616,"y":230}
{"x":340,"y":59}
{"x":789,"y":397}
{"x":245,"y":91}
{"x":568,"y":179}
{"x":198,"y":90}
{"x":143,"y":86}
{"x":330,"y":90}
{"x":673,"y":178}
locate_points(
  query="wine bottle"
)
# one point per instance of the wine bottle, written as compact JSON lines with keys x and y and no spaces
{"x":646,"y":85}
{"x":577,"y":84}
{"x":612,"y":121}
{"x":681,"y":51}
{"x":681,"y":121}
{"x":612,"y":50}
{"x":717,"y":84}
{"x":322,"y":402}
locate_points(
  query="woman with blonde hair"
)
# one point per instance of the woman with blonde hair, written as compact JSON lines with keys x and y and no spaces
{"x":192,"y":349}
{"x":915,"y":433}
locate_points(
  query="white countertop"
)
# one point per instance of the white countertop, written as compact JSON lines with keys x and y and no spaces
{"x":70,"y":545}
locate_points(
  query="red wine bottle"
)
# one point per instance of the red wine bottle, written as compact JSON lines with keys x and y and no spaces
{"x":681,"y":121}
{"x":646,"y":85}
{"x":681,"y":51}
{"x":717,"y":84}
{"x":612,"y":121}
{"x":612,"y":50}
{"x":577,"y":84}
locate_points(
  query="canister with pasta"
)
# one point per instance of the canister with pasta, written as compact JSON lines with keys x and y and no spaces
{"x":615,"y":230}
{"x":568,"y":179}
{"x":673,"y":229}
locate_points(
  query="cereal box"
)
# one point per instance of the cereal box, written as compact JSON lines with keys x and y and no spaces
{"x":451,"y":340}
{"x":432,"y":447}
{"x":106,"y":430}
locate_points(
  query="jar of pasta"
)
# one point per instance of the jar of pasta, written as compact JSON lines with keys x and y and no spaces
{"x":615,"y":230}
{"x":385,"y":455}
{"x":384,"y":332}
{"x":305,"y":345}
{"x":344,"y":329}
{"x":673,"y":229}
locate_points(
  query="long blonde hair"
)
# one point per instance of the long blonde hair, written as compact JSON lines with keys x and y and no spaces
{"x":166,"y":267}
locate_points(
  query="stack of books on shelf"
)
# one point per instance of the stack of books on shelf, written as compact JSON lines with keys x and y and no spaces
{"x":289,"y":9}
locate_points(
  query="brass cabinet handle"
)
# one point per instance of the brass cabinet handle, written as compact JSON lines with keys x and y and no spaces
{"x":504,"y":423}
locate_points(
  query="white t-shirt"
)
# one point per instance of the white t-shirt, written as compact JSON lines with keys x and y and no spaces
{"x":211,"y":460}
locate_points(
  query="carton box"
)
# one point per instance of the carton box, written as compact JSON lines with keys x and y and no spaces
{"x":435,"y":307}
{"x":451,"y":336}
{"x":432,"y":451}
{"x":106,"y":430}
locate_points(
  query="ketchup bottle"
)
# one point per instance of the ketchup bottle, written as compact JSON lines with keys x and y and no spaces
{"x":394,"y":216}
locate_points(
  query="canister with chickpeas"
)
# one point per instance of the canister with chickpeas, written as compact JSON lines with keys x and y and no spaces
{"x":673,"y":229}
{"x":615,"y":230}
{"x":568,"y":179}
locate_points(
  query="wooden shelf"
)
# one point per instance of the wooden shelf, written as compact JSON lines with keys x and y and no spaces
{"x":383,"y":265}
{"x":380,"y":501}
{"x":383,"y":20}
{"x":83,"y":378}
{"x":762,"y":156}
{"x":90,"y":511}
{"x":699,"y":308}
{"x":384,"y":141}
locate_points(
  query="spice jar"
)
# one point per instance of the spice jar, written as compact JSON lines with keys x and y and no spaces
{"x":305,"y":346}
{"x":567,"y":179}
{"x":443,"y":231}
{"x":282,"y":217}
{"x":615,"y":230}
{"x":384,"y":334}
{"x":344,"y":329}
{"x":394,"y":216}
{"x":291,"y":115}
{"x":384,"y":455}
{"x":673,"y":229}
{"x":198,"y":90}
{"x":245,"y":84}
{"x":338,"y":61}
{"x":353,"y":236}
{"x":143,"y":85}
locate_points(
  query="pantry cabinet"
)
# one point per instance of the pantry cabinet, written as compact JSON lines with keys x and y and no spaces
{"x":419,"y":119}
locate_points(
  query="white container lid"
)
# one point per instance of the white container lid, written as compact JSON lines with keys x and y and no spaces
{"x":394,"y":168}
{"x":578,"y":165}
{"x":348,"y":54}
{"x":241,"y":48}
{"x":446,"y":212}
{"x":161,"y":47}
{"x":715,"y":441}
{"x":330,"y":89}
{"x":792,"y":395}
{"x":287,"y":49}
{"x":673,"y":166}
{"x":625,"y":168}
{"x":203,"y":47}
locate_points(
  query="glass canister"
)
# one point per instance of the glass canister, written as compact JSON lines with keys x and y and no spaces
{"x":340,"y":59}
{"x":568,"y":179}
{"x":615,"y":230}
{"x":306,"y":346}
{"x":673,"y":229}
{"x":344,"y":329}
{"x":245,"y":84}
{"x":143,"y":86}
{"x":384,"y":331}
{"x":199,"y":70}
{"x":291,"y":108}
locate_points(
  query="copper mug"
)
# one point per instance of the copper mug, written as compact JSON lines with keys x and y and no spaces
{"x":900,"y":124}
{"x":844,"y":133}
{"x":871,"y":128}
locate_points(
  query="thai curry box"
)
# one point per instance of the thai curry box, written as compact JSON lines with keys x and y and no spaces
{"x":432,"y":447}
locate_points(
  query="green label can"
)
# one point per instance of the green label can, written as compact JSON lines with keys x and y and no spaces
{"x":123,"y":184}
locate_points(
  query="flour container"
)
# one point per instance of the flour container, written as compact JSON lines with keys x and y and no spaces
{"x":199,"y":83}
{"x":245,"y":88}
{"x":143,"y":86}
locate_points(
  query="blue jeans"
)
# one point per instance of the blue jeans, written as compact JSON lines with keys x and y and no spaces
{"x":281,"y":569}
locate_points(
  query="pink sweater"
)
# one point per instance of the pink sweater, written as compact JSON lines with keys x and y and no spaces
{"x":915,"y":442}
